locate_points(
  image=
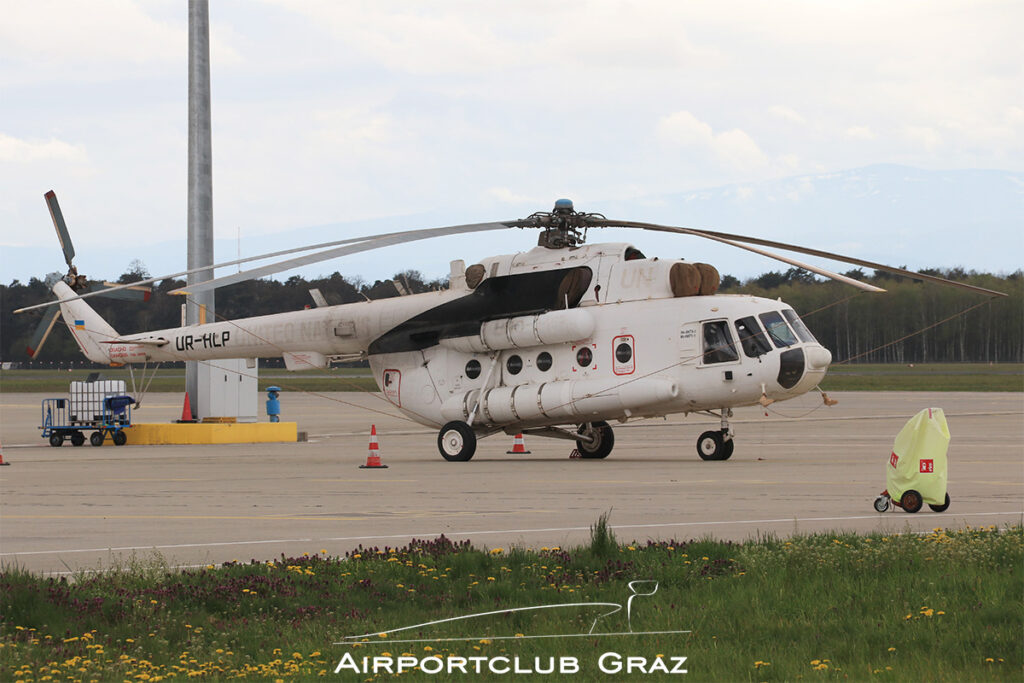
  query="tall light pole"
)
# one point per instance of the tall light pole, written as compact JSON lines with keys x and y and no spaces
{"x":199,"y":307}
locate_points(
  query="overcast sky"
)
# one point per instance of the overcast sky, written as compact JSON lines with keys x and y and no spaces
{"x":327,"y":112}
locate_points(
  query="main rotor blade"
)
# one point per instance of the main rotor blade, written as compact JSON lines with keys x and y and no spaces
{"x":367,"y":245}
{"x":63,"y":236}
{"x":810,"y":252}
{"x":42,"y":330}
{"x":778,"y":257}
{"x":131,"y":293}
{"x":247,"y":259}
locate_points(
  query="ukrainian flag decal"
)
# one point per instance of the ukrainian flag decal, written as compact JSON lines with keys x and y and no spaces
{"x":79,"y":324}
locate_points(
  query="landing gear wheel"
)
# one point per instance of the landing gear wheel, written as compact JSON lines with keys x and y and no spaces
{"x":727,"y":447}
{"x":881,"y":504}
{"x":119,"y":437}
{"x":911,"y":501}
{"x":713,"y":446}
{"x":56,"y":440}
{"x":456,"y":441}
{"x":940,"y":508}
{"x":77,"y":439}
{"x":601,"y":446}
{"x":97,"y":438}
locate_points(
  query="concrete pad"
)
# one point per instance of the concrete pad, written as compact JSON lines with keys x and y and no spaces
{"x":801,"y":468}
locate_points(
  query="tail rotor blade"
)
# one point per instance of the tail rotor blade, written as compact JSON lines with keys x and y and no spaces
{"x":62,"y":229}
{"x":42,"y":331}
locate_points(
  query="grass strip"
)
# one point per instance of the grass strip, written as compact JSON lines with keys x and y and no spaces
{"x":943,"y":606}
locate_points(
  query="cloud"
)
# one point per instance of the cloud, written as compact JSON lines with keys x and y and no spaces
{"x":14,"y":150}
{"x":733,"y":148}
{"x":860,"y":133}
{"x":787,"y":114}
{"x":65,"y":34}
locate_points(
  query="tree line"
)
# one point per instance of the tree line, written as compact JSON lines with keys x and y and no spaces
{"x":892,"y":327}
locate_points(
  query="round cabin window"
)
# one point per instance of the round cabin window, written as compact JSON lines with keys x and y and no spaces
{"x":623,"y":352}
{"x":544,"y":361}
{"x":473,"y":369}
{"x":584,"y":356}
{"x":514,"y":365}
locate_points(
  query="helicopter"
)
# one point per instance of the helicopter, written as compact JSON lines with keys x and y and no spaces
{"x":558,"y":341}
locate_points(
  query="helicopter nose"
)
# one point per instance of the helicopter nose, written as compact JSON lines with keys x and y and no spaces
{"x":818,"y":357}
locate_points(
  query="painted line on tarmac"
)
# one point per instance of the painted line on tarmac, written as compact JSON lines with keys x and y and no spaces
{"x":650,"y":526}
{"x":156,"y":547}
{"x":489,"y":532}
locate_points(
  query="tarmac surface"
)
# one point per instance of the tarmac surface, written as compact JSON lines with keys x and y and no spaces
{"x":802,"y":468}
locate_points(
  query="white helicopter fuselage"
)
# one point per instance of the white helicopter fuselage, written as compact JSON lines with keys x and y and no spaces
{"x":543,"y":337}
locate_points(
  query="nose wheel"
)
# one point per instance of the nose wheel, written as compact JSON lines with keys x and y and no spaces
{"x":715,"y":445}
{"x":456,"y":441}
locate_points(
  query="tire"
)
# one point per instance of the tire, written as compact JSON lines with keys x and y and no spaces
{"x":77,"y":439}
{"x":605,"y":441}
{"x":940,"y":508}
{"x":911,"y":501}
{"x":728,"y":445}
{"x":882,"y":504}
{"x":119,"y":437}
{"x":56,"y":439}
{"x":456,"y":441}
{"x":710,"y":446}
{"x":96,"y":438}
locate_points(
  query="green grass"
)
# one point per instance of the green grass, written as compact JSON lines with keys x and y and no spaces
{"x":944,"y":607}
{"x":925,"y":377}
{"x":56,"y":381}
{"x":854,"y":377}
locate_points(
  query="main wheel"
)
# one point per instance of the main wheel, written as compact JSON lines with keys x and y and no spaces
{"x":713,"y":446}
{"x":96,"y":439}
{"x":119,"y":437}
{"x":911,"y":501}
{"x":940,"y":508}
{"x":56,"y":439}
{"x":77,"y":438}
{"x":881,"y":503}
{"x":456,"y":441}
{"x":601,"y":446}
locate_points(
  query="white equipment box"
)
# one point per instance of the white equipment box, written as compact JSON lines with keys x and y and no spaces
{"x":87,"y":398}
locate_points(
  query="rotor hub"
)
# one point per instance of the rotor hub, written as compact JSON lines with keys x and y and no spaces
{"x":563,"y":226}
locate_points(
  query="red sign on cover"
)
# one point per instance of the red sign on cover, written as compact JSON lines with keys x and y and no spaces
{"x":893,"y":459}
{"x":927,"y":466}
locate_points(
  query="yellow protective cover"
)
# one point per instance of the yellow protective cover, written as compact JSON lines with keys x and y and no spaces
{"x":918,"y":458}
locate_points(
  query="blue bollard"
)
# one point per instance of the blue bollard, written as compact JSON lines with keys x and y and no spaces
{"x":273,"y":405}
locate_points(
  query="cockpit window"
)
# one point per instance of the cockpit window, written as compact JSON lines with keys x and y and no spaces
{"x":718,"y":347}
{"x":752,"y":339}
{"x":633,"y":254}
{"x":798,"y":326}
{"x":777,"y":329}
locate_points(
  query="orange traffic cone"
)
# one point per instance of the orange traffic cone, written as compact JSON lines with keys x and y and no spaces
{"x":2,"y":463}
{"x":186,"y":411}
{"x":373,"y":458}
{"x":518,"y":446}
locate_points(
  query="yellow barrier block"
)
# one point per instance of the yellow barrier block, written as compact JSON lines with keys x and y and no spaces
{"x":211,"y":433}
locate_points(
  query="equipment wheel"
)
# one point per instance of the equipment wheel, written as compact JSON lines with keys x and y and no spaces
{"x":881,"y":504}
{"x":601,"y":446}
{"x":96,"y":439}
{"x":711,"y":446}
{"x":911,"y":501}
{"x":77,"y":438}
{"x":56,"y":439}
{"x":119,"y":437}
{"x":456,"y":441}
{"x":940,"y":508}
